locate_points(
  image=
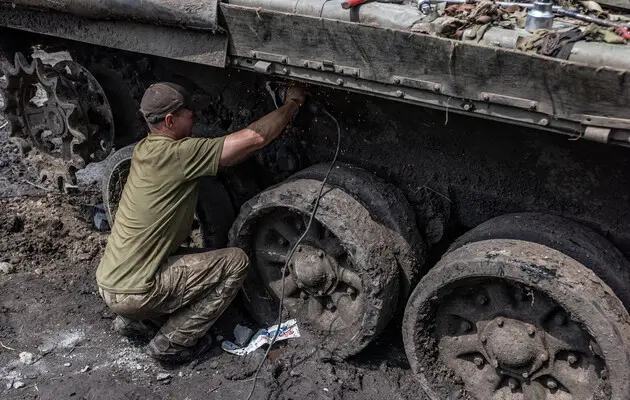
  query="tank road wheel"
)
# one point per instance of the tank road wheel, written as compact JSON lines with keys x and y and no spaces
{"x":388,"y":206}
{"x":128,"y":121}
{"x":59,"y":110}
{"x":114,"y":178}
{"x":342,"y":282}
{"x":568,"y":237}
{"x":516,"y":320}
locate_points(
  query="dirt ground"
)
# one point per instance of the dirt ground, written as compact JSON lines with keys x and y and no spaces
{"x":55,"y":336}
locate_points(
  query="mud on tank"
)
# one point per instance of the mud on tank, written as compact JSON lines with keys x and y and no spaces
{"x":500,"y":242}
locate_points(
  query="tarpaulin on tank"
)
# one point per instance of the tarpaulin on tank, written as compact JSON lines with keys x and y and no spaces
{"x":194,"y":14}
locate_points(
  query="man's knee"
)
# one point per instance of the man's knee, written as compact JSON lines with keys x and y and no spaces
{"x":239,"y":261}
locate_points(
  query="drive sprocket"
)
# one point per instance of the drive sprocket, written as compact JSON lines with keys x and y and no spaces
{"x":59,"y":117}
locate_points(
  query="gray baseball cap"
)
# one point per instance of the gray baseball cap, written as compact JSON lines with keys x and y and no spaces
{"x":164,"y":98}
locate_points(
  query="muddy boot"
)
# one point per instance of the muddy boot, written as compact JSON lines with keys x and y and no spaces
{"x":135,"y":329}
{"x":162,"y":349}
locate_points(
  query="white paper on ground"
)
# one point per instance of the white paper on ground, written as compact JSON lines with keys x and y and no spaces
{"x":288,"y":330}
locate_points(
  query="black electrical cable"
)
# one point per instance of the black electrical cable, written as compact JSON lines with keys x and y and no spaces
{"x":286,"y":264}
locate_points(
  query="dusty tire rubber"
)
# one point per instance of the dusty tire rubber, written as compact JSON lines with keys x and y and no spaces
{"x":389,"y":206}
{"x":128,"y":122}
{"x":114,"y":179}
{"x":369,"y":246}
{"x":568,"y":237}
{"x":589,"y":303}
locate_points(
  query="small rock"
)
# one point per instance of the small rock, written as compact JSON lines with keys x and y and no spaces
{"x":84,"y":256}
{"x":325,"y":389}
{"x":38,"y":271}
{"x":71,"y":189}
{"x":214,"y":365}
{"x":383,"y":366}
{"x":85,"y":369}
{"x":56,"y":225}
{"x":242,"y":334}
{"x":162,"y":376}
{"x":27,"y":358}
{"x":18,"y":385}
{"x":294,"y":373}
{"x":100,"y":221}
{"x":16,"y":224}
{"x":9,"y":385}
{"x":219,"y":338}
{"x":181,"y":374}
{"x":46,"y":348}
{"x":67,"y":364}
{"x":77,"y":234}
{"x":6,"y":268}
{"x":325,"y":355}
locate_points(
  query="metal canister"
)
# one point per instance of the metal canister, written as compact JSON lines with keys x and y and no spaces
{"x":540,"y":16}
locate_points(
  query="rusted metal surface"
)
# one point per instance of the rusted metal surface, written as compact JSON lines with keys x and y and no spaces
{"x":170,"y":42}
{"x":464,"y":70}
{"x":192,"y":14}
{"x":488,"y":82}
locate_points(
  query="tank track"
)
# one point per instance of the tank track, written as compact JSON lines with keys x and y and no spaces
{"x":59,"y":117}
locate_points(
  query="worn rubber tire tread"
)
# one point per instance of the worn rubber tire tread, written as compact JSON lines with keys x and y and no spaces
{"x":389,"y":206}
{"x":113,"y":162}
{"x":373,"y":255}
{"x":570,"y":284}
{"x":128,"y":122}
{"x":568,"y":237}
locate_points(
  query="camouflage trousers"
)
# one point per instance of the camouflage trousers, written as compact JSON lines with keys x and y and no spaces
{"x":190,"y":292}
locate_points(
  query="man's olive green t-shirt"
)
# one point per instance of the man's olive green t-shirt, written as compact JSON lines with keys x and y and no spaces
{"x":156,"y":209}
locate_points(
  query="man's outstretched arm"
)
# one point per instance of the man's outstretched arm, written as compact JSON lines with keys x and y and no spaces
{"x":238,"y":145}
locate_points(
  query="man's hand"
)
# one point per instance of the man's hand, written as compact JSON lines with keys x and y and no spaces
{"x":297,"y":94}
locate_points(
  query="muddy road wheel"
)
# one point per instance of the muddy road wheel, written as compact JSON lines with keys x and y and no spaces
{"x":128,"y":122}
{"x":515,"y":320}
{"x":342,"y":283}
{"x":568,"y":237}
{"x":388,"y":206}
{"x":114,"y":179}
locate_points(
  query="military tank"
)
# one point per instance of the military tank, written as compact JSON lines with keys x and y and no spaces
{"x":480,"y":201}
